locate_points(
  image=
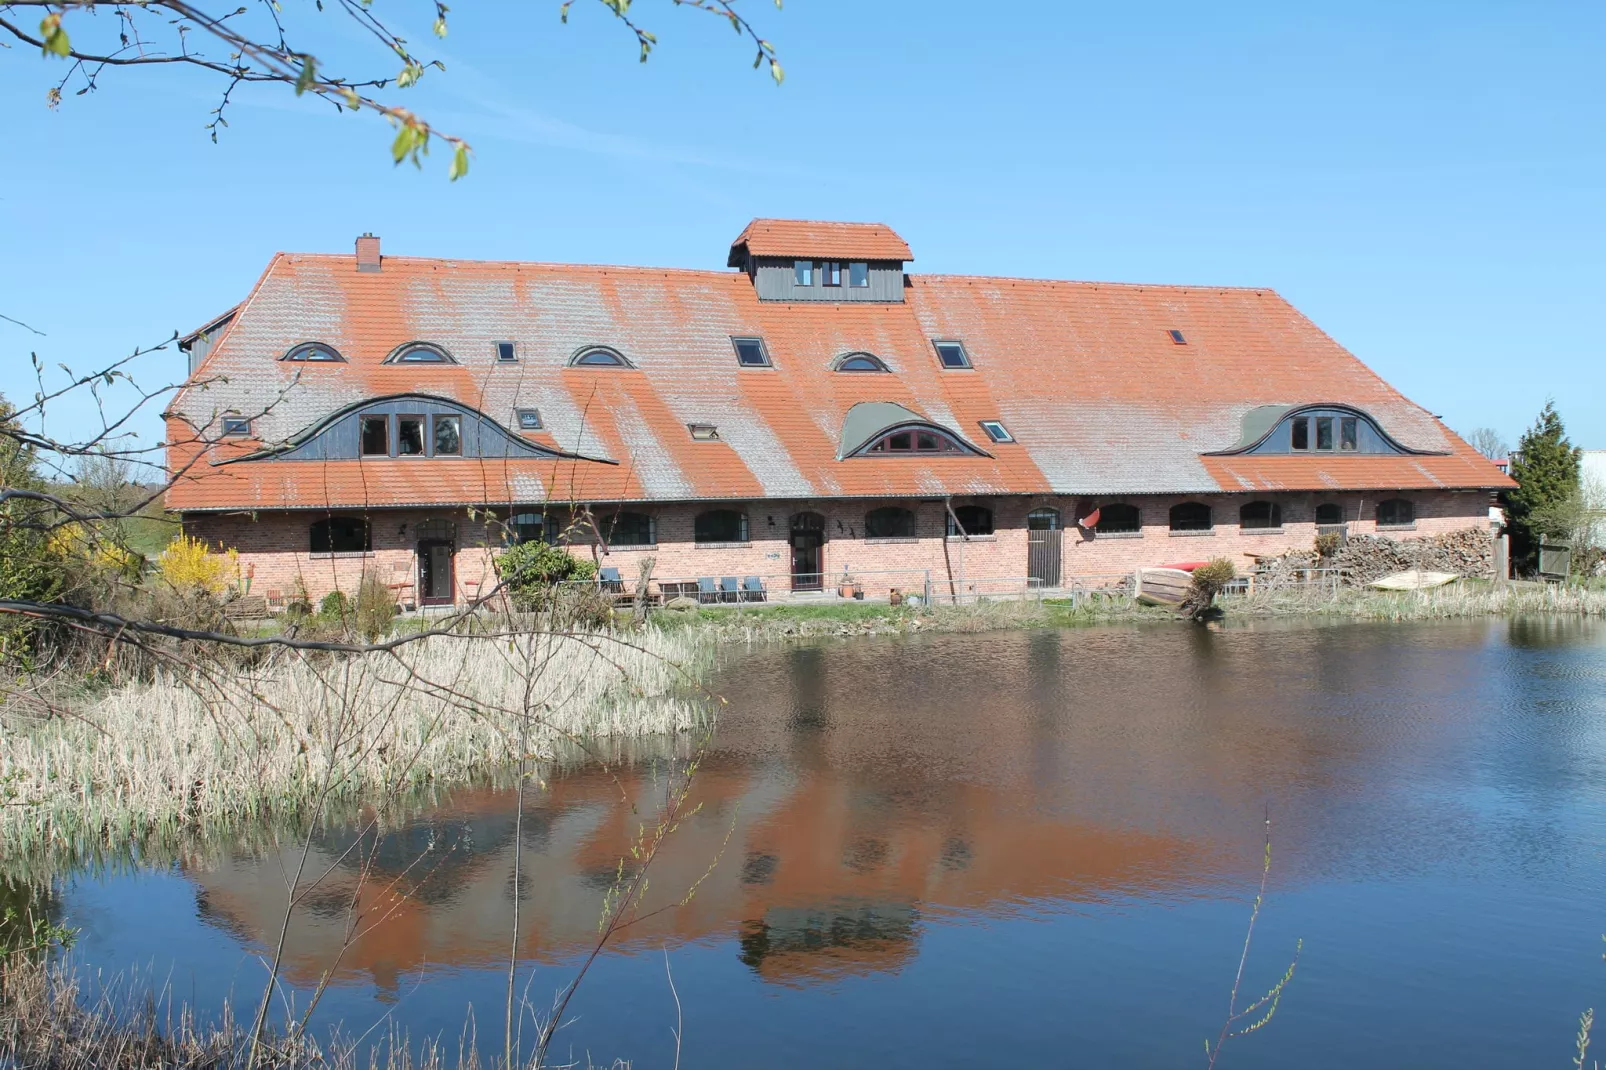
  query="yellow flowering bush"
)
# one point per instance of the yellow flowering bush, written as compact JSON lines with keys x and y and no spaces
{"x":72,"y":542}
{"x":187,"y":563}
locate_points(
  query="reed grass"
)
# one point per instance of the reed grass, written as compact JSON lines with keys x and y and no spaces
{"x":1457,"y":600}
{"x":216,"y":748}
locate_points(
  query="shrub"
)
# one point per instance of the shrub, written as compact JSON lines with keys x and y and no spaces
{"x":1327,"y":544}
{"x":1208,"y":580}
{"x":531,"y":568}
{"x":334,"y":606}
{"x":188,"y":564}
{"x":376,"y":606}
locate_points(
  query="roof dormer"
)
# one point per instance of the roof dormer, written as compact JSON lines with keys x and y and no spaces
{"x":799,"y":260}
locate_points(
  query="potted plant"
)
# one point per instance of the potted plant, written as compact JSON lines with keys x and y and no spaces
{"x":847,"y":586}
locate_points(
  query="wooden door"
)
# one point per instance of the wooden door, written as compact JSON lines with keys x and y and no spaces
{"x":1043,"y":547}
{"x":808,"y":551}
{"x":435,"y":580}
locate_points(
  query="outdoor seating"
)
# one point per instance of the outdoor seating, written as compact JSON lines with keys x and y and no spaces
{"x":610,"y":581}
{"x":729,"y":589}
{"x":752,"y":589}
{"x":706,"y":591}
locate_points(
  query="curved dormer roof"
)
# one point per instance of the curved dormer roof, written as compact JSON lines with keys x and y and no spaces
{"x":869,"y":420}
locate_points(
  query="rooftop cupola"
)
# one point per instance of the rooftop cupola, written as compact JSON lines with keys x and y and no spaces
{"x":801,"y":260}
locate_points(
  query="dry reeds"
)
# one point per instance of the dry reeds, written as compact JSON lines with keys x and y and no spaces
{"x":211,"y":748}
{"x":1440,"y":603}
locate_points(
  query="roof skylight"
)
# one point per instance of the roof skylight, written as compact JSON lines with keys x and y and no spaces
{"x":997,"y":431}
{"x":750,"y":352}
{"x":952,"y":354}
{"x":1176,"y":337}
{"x":703,"y":432}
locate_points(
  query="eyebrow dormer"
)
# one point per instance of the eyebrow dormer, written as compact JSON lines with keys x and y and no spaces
{"x":799,"y":260}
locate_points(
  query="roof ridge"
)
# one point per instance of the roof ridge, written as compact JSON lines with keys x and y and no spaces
{"x":1096,"y":283}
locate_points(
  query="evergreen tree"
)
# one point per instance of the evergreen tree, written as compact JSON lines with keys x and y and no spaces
{"x":1546,"y":472}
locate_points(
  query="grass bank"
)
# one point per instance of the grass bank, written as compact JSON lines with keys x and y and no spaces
{"x":217,"y":747}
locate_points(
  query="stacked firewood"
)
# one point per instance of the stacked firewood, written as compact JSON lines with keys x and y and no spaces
{"x":1365,"y":558}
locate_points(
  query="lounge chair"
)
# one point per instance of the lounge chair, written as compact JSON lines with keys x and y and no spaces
{"x":611,"y":581}
{"x":729,"y":589}
{"x":706,"y":591}
{"x":753,"y":589}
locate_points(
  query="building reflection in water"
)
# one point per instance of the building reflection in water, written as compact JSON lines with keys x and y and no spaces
{"x":862,"y":790}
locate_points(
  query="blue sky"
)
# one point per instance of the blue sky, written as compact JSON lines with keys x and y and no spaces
{"x":1423,"y":180}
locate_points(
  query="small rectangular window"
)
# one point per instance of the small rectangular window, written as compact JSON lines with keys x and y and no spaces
{"x":236,"y":427}
{"x":952,"y":354}
{"x":1347,"y":428}
{"x":803,"y":272}
{"x":703,"y":432}
{"x":410,"y":436}
{"x":448,"y":436}
{"x":1324,"y":432}
{"x":859,"y":273}
{"x":505,"y":353}
{"x":529,"y":419}
{"x":376,"y":436}
{"x":831,"y":273}
{"x":1177,"y":338}
{"x":750,"y":352}
{"x":997,"y":431}
{"x":1300,"y":439}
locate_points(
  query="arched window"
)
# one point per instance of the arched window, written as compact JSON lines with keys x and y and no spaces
{"x":600,"y":357}
{"x":889,"y":522}
{"x":914,"y":440}
{"x":420,"y":353}
{"x":316,"y":353}
{"x":1260,"y":515}
{"x":341,"y":535}
{"x":1329,"y":513}
{"x":1395,"y":513}
{"x":1119,"y":518}
{"x":720,"y":525}
{"x":631,"y":529}
{"x":1044,"y":519}
{"x":1191,"y":516}
{"x":526,"y":527}
{"x":975,"y":519}
{"x":860,"y":362}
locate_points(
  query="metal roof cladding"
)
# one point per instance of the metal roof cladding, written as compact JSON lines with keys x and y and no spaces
{"x":1099,"y":399}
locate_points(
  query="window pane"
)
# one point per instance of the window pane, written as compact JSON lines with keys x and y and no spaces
{"x":629,"y":529}
{"x":601,"y":358}
{"x":720,"y":525}
{"x":1119,"y":517}
{"x":890,"y":522}
{"x":1324,"y":432}
{"x":903,"y":441}
{"x":750,"y":351}
{"x":859,"y":274}
{"x":504,"y":351}
{"x":1329,"y":513}
{"x":1301,"y":434}
{"x":976,"y":520}
{"x":803,"y":272}
{"x":926,"y":441}
{"x":410,"y":436}
{"x":831,"y":273}
{"x":1043,"y":520}
{"x":1190,"y":516}
{"x":1347,"y":432}
{"x":952,"y":355}
{"x":375,"y":436}
{"x":448,"y":436}
{"x":529,"y":420}
{"x":528,"y":527}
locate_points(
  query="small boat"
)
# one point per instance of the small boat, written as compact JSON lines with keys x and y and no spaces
{"x":1162,"y":586}
{"x":1415,"y":579}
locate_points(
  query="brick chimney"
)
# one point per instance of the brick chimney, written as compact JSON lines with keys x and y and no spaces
{"x":368,"y":253}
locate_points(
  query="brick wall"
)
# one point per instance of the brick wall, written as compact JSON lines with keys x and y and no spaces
{"x":274,"y":548}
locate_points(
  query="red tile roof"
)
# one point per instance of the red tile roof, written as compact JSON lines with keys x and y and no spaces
{"x":1098,"y":397}
{"x":802,"y":238}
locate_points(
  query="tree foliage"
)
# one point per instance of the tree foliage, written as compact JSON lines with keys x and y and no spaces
{"x":1546,"y":471}
{"x":531,"y":568}
{"x":1487,"y":441}
{"x":268,"y":44}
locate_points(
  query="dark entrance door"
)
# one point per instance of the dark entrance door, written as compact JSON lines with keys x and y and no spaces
{"x":435,"y":573}
{"x":1043,"y":547}
{"x":808,"y":541}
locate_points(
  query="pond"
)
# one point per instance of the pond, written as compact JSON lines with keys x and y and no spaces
{"x":1017,"y":848}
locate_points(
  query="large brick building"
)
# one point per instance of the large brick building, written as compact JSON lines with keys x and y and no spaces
{"x":816,"y":410}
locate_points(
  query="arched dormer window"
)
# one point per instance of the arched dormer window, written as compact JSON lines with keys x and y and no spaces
{"x":314,"y":353}
{"x":1260,"y":515}
{"x":599,"y":357}
{"x":419,"y":353}
{"x":859,"y":362}
{"x":926,"y":440}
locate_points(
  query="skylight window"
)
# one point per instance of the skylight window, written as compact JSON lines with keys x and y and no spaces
{"x":750,"y":352}
{"x":600,"y":357}
{"x":861,"y":362}
{"x":997,"y":431}
{"x":529,"y":419}
{"x":315,"y":352}
{"x":1176,"y":337}
{"x":505,"y":353}
{"x":236,"y":427}
{"x":703,"y":432}
{"x":952,"y":354}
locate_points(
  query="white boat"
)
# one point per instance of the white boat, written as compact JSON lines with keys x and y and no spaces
{"x":1415,"y":579}
{"x":1162,"y":586}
